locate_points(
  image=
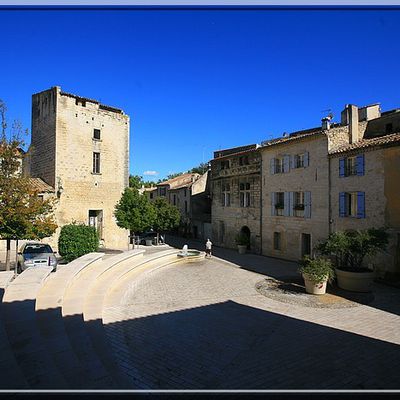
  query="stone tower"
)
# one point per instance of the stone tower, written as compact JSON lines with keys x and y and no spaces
{"x":81,"y":148}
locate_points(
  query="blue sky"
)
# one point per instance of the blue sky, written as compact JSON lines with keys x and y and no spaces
{"x":197,"y":81}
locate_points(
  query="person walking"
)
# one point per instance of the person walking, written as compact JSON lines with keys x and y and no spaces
{"x":208,"y":248}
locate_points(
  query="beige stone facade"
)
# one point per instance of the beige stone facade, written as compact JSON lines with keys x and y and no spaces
{"x":375,"y":193}
{"x":236,"y":191}
{"x":302,"y":187}
{"x":81,"y":148}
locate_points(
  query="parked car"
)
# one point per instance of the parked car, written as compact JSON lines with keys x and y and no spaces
{"x":141,"y":238}
{"x":34,"y":254}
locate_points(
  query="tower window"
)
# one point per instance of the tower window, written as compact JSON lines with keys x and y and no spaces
{"x":96,"y":163}
{"x":96,"y":134}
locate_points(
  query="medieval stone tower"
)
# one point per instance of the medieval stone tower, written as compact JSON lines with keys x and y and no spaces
{"x":81,"y":148}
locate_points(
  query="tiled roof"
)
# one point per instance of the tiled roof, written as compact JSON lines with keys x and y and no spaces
{"x":236,"y":154}
{"x":235,"y":150}
{"x":40,"y":186}
{"x":392,"y":139}
{"x":292,"y":137}
{"x":179,"y":181}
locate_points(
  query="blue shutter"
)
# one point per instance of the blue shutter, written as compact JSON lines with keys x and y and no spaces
{"x":307,"y":204}
{"x":272,"y":166}
{"x":342,"y":204}
{"x":360,"y":165}
{"x":360,"y":204}
{"x":341,"y":167}
{"x":306,"y":159}
{"x":291,"y":203}
{"x":286,"y":160}
{"x":273,"y":209}
{"x":286,"y":204}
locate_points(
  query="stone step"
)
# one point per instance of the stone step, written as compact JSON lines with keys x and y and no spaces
{"x":100,"y":377}
{"x":93,"y":308}
{"x":50,"y":321}
{"x":18,"y":310}
{"x":10,"y":371}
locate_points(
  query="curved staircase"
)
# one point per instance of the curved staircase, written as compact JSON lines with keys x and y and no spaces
{"x":51,"y":324}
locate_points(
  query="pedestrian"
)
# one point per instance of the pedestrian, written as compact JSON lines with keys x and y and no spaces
{"x":208,"y":248}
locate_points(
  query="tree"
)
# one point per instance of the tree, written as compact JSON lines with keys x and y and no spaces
{"x":135,"y":181}
{"x":23,"y":214}
{"x":201,"y":169}
{"x":174,"y":175}
{"x":167,"y":216}
{"x":134,"y":212}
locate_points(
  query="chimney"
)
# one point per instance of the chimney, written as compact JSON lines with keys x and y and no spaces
{"x":326,"y":123}
{"x":353,"y":123}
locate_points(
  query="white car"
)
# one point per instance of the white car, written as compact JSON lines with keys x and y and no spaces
{"x":34,"y":254}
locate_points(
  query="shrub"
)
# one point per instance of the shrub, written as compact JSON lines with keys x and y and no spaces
{"x":317,"y":269}
{"x":76,"y":240}
{"x":349,"y":248}
{"x":242,"y":239}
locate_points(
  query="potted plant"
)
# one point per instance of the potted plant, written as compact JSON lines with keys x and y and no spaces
{"x":316,"y":272}
{"x":349,"y":250}
{"x":242,"y":241}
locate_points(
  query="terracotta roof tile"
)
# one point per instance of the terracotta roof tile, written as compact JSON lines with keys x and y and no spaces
{"x":393,"y":138}
{"x":41,"y":186}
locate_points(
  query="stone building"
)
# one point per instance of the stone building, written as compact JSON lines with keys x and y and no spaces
{"x":235,"y":191}
{"x":365,"y":192}
{"x":200,"y":210}
{"x":177,"y":191}
{"x":80,"y":148}
{"x":299,"y":185}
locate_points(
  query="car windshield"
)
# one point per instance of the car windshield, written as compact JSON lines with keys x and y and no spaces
{"x":37,"y":249}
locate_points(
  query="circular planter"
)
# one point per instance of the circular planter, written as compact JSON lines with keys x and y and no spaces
{"x":314,"y":288}
{"x":242,"y":248}
{"x":355,"y":281}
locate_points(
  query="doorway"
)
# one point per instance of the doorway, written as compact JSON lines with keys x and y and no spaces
{"x":305,"y":244}
{"x":245,"y":231}
{"x":96,"y":220}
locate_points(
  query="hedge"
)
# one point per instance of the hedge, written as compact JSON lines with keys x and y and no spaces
{"x":76,"y":240}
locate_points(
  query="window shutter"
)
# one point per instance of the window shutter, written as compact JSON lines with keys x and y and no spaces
{"x":286,"y":204}
{"x":293,"y":162}
{"x":306,"y":159}
{"x":272,"y":166}
{"x":342,"y":204}
{"x":341,"y":167}
{"x":360,"y":204}
{"x":286,"y":161}
{"x":307,"y":204}
{"x":291,"y":203}
{"x":273,"y":209}
{"x":360,"y":165}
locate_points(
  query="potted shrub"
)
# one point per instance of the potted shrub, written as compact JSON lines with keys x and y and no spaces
{"x":316,"y":272}
{"x":349,"y":250}
{"x":242,"y":241}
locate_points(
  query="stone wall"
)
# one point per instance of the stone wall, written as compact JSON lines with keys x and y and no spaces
{"x":227,"y":221}
{"x":382,"y":200}
{"x":314,"y":179}
{"x":69,"y":163}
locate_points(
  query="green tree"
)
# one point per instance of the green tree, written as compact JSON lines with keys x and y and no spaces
{"x":167,"y":216}
{"x":134,"y":212}
{"x":135,"y":181}
{"x":23,"y":214}
{"x":174,"y":175}
{"x":201,"y":169}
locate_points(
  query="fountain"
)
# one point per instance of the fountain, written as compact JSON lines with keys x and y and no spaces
{"x":185,"y":252}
